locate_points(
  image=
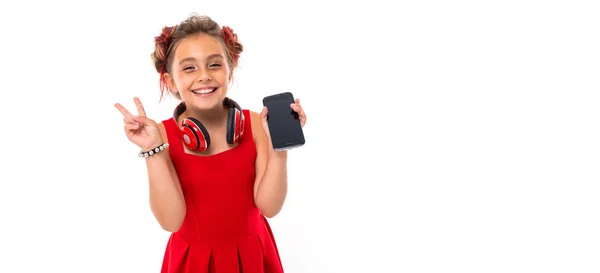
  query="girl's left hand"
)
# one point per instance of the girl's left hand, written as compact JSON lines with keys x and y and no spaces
{"x":295,"y":106}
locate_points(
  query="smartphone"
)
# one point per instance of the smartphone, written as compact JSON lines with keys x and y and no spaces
{"x":284,"y":123}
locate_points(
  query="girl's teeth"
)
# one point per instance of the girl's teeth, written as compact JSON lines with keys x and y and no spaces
{"x":206,"y":91}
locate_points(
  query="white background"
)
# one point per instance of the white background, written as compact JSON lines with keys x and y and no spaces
{"x":442,"y":136}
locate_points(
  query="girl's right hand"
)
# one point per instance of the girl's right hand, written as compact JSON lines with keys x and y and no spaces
{"x":140,"y":130}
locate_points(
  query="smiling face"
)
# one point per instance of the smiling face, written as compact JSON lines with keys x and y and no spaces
{"x":200,"y":72}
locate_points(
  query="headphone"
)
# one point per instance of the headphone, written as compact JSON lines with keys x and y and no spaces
{"x":196,"y":137}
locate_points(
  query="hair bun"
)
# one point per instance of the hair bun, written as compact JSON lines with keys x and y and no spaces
{"x":232,"y":43}
{"x":163,"y":41}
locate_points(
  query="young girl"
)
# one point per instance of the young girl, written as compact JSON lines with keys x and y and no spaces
{"x":214,"y":176}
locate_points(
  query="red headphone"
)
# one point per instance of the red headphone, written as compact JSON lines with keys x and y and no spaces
{"x":196,"y":137}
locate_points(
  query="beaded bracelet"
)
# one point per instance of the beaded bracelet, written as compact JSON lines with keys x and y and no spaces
{"x":153,"y":151}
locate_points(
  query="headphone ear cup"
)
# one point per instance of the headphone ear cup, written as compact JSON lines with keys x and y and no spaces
{"x":231,"y":124}
{"x":195,"y":136}
{"x":242,"y":124}
{"x":239,"y":130}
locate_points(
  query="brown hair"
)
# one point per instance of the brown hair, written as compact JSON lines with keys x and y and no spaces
{"x":167,"y":41}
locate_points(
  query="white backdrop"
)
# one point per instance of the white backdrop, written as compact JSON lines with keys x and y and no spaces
{"x":442,"y":136}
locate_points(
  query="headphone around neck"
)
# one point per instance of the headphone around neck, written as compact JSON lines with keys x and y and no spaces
{"x":196,"y":137}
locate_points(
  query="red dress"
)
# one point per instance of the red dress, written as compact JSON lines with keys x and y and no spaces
{"x":223,"y":230}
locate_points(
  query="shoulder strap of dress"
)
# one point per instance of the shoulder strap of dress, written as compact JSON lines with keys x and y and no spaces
{"x":175,"y":144}
{"x":247,"y":124}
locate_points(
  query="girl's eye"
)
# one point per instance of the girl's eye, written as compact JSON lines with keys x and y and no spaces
{"x":215,"y":65}
{"x":188,"y":68}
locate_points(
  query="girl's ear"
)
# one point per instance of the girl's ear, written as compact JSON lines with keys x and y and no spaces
{"x":170,"y":83}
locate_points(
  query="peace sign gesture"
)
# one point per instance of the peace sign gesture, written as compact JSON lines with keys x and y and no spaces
{"x":140,"y":130}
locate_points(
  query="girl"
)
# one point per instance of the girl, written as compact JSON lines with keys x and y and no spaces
{"x":214,"y":176}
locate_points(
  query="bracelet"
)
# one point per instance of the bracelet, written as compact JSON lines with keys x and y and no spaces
{"x":153,"y":151}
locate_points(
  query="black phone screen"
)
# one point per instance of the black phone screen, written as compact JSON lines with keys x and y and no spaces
{"x":284,"y":124}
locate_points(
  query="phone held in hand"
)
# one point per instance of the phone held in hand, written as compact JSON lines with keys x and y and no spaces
{"x":284,"y":123}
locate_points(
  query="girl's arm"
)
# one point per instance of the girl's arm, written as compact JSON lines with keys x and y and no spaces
{"x":270,"y":186}
{"x":166,"y":197}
